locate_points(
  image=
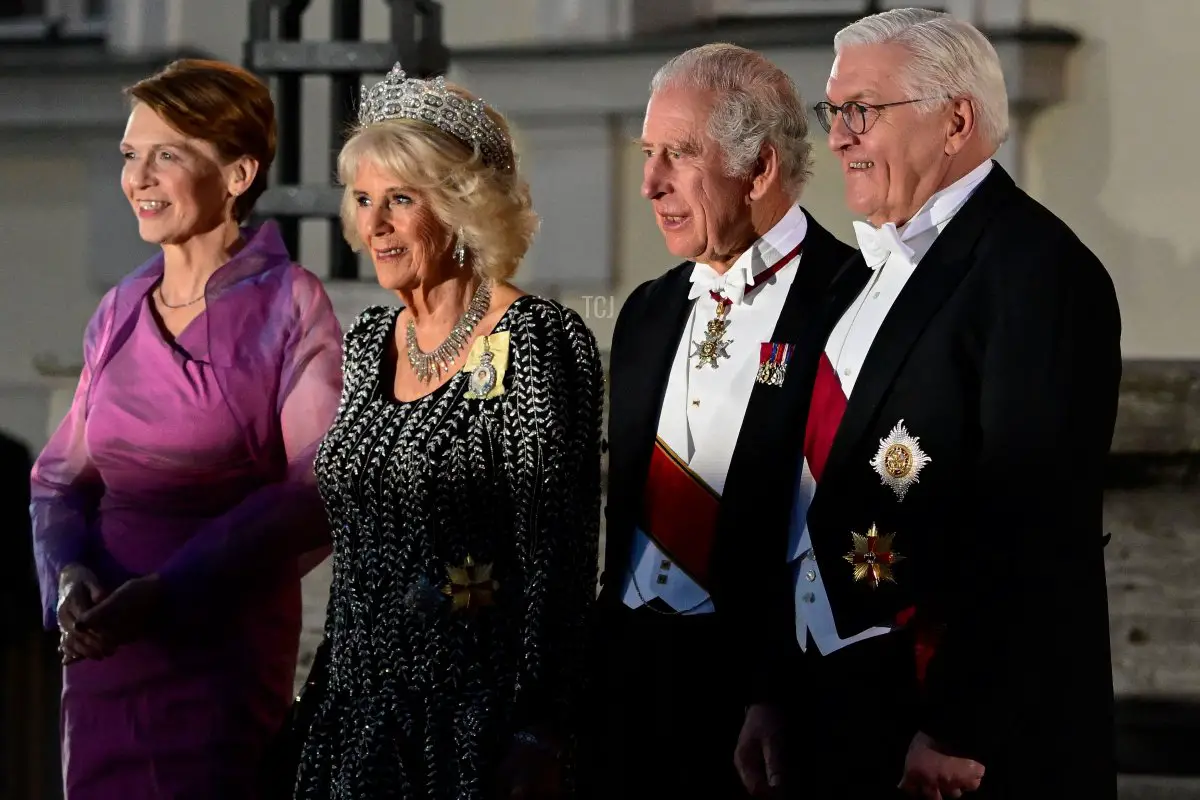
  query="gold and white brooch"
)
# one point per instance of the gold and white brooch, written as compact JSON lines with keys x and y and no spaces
{"x":899,"y":460}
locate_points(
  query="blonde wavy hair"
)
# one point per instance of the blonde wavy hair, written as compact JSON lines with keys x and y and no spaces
{"x":491,"y":207}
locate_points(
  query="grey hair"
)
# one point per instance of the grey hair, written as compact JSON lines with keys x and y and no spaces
{"x":756,"y":103}
{"x":949,"y":58}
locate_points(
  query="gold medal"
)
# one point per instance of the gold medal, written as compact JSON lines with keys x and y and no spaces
{"x":713,"y":346}
{"x":872,"y":557}
{"x":470,"y":586}
{"x":773,"y":358}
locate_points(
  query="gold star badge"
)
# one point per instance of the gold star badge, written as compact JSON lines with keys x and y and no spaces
{"x":872,"y":557}
{"x":470,"y":586}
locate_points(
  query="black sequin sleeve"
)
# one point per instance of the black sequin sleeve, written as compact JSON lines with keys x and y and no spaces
{"x":554,"y":447}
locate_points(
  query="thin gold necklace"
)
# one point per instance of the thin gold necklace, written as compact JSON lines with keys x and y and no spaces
{"x":164,"y":302}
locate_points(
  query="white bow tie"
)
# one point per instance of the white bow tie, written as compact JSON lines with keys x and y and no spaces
{"x":705,"y":279}
{"x":877,"y":244}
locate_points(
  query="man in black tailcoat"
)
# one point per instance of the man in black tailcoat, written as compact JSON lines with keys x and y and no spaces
{"x":699,"y":363}
{"x":950,"y":627}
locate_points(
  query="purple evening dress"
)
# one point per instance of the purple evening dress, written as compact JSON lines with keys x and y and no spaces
{"x":160,"y":454}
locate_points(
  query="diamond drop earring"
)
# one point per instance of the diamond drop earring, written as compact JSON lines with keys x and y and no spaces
{"x":460,"y":250}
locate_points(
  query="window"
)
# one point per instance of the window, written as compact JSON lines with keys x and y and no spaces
{"x":855,"y":8}
{"x":10,"y":9}
{"x":782,"y":7}
{"x":32,"y":20}
{"x":994,"y":13}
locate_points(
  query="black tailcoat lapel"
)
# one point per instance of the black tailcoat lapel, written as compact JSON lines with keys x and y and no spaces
{"x":932,"y":283}
{"x":643,"y":348}
{"x":751,"y":578}
{"x":762,"y":472}
{"x":644,"y":345}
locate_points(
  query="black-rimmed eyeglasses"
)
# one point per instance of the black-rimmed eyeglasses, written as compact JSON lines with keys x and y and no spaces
{"x":857,"y":117}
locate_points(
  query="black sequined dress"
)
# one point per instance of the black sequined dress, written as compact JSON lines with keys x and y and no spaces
{"x":421,"y":700}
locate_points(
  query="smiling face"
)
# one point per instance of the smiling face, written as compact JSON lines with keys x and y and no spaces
{"x":704,"y":214}
{"x":398,"y":227}
{"x":178,"y":186}
{"x":902,"y":158}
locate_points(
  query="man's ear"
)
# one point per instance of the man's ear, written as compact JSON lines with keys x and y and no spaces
{"x":765,"y":172}
{"x":960,"y":128}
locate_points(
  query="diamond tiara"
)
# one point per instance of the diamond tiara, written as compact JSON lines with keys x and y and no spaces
{"x":433,"y":102}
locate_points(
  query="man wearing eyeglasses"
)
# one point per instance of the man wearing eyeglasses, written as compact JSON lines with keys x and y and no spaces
{"x":947,"y":550}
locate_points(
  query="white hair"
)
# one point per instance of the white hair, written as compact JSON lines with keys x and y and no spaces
{"x":950,"y":58}
{"x":756,"y":103}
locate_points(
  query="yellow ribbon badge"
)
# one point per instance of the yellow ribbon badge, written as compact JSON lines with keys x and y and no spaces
{"x":485,"y":364}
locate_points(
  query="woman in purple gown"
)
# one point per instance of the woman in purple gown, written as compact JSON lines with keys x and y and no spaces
{"x":174,"y":509}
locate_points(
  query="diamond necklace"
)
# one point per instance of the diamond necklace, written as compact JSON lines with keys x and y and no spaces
{"x":428,"y":366}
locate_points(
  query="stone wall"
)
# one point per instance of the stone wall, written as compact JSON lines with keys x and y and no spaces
{"x":1153,"y":512}
{"x":1153,"y":562}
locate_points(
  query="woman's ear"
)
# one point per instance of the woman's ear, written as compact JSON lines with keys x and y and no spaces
{"x":240,"y":174}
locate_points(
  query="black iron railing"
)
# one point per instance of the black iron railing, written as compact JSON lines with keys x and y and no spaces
{"x":276,"y":49}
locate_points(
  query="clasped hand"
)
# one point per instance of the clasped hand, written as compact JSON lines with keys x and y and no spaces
{"x":759,"y":754}
{"x":93,"y":622}
{"x":932,"y":774}
{"x":929,"y":773}
{"x":531,"y":770}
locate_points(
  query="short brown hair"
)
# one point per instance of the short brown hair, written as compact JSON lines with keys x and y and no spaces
{"x":221,"y":104}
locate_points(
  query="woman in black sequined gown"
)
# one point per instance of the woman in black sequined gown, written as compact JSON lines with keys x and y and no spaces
{"x":465,"y":516}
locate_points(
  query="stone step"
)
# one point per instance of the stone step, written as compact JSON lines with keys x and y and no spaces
{"x":1154,"y":787}
{"x":1157,"y":669}
{"x":1159,"y":736}
{"x":1155,"y":651}
{"x":1175,"y":625}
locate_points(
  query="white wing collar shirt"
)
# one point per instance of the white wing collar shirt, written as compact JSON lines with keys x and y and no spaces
{"x":703,"y":406}
{"x":893,"y":254}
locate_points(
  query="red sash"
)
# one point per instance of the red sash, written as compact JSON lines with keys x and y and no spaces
{"x":824,"y":417}
{"x":679,"y":512}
